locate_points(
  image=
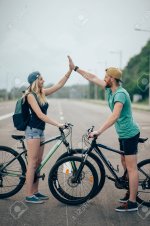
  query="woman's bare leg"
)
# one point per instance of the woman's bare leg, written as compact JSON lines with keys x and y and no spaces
{"x":33,"y":156}
{"x":40,"y":156}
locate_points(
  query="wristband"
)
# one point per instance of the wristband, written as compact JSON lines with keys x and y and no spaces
{"x":76,"y":68}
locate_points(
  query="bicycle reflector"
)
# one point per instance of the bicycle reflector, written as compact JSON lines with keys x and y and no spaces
{"x":67,"y":171}
{"x":67,"y":168}
{"x":91,"y":179}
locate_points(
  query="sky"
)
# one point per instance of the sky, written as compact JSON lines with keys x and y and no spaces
{"x":39,"y":34}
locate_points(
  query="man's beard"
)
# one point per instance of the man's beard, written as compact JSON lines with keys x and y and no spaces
{"x":108,"y":85}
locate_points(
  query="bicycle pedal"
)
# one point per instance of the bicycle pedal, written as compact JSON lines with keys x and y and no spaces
{"x":41,"y":176}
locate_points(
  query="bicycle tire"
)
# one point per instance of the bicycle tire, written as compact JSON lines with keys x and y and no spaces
{"x":23,"y":171}
{"x":52,"y":178}
{"x":139,"y":199}
{"x":101,"y":175}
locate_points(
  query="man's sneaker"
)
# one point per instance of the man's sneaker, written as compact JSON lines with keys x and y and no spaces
{"x":33,"y":199}
{"x":125,"y":198}
{"x":41,"y":196}
{"x":127,"y":207}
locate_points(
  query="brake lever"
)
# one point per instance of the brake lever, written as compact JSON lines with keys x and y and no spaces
{"x":66,"y":126}
{"x":90,"y":130}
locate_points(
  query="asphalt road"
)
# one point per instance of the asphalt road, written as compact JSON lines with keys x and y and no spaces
{"x":99,"y":211}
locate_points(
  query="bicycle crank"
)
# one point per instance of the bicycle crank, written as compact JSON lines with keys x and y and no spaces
{"x":122,"y":184}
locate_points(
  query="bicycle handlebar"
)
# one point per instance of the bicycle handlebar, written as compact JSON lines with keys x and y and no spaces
{"x":90,"y":130}
{"x":66,"y":126}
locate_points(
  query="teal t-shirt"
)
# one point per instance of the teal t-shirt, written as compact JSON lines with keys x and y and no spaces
{"x":125,"y":125}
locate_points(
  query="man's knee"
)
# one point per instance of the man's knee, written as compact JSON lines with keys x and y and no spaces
{"x":131,"y":162}
{"x":131,"y":168}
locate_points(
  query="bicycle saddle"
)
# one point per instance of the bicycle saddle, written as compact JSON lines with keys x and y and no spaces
{"x":142,"y":140}
{"x":18,"y":137}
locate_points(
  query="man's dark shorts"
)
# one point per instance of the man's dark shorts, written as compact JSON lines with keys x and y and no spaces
{"x":129,"y":145}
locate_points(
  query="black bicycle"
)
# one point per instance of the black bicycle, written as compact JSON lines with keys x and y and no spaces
{"x":70,"y":192}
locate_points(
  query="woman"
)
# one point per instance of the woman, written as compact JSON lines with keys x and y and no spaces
{"x":36,"y":97}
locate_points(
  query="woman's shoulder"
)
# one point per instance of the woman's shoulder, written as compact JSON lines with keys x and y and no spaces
{"x":30,"y":97}
{"x":31,"y":94}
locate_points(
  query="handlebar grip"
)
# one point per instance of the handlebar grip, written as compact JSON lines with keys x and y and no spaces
{"x":60,"y":129}
{"x":95,"y":137}
{"x":66,"y":125}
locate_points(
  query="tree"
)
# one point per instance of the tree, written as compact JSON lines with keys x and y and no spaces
{"x":136,"y":73}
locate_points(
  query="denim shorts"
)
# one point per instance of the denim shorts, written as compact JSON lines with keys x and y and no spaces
{"x":32,"y":133}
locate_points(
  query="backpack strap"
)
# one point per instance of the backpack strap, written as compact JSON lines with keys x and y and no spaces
{"x":34,"y":96}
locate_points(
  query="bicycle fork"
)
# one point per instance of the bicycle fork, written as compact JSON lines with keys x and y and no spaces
{"x":78,"y":171}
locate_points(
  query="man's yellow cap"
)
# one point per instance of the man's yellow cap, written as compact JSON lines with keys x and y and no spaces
{"x":114,"y":72}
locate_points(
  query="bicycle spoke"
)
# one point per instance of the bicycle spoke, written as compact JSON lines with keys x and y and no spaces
{"x":144,"y":183}
{"x":80,"y":189}
{"x":10,"y":176}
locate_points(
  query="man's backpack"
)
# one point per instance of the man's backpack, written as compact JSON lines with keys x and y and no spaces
{"x":21,"y":115}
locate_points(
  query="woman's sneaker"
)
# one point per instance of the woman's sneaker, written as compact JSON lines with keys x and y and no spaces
{"x":125,"y":198}
{"x":127,"y":207}
{"x":33,"y":199}
{"x":41,"y":196}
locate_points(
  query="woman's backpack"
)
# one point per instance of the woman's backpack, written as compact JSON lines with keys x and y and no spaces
{"x":21,"y":115}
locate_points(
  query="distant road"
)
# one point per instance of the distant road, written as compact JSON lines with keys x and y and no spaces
{"x":99,"y":211}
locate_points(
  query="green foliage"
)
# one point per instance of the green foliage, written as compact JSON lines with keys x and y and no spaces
{"x":136,"y":73}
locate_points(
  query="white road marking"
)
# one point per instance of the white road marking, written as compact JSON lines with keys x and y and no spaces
{"x":64,"y":167}
{"x":67,"y":216}
{"x":6,"y":116}
{"x":61,"y":118}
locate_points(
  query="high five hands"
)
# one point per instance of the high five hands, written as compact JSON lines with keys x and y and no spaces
{"x":72,"y":67}
{"x":71,"y":64}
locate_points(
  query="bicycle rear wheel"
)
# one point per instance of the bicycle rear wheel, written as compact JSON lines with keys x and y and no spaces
{"x":12,"y":177}
{"x":144,"y":183}
{"x":61,"y":177}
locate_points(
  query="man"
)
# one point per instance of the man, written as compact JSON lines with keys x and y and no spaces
{"x":126,"y":128}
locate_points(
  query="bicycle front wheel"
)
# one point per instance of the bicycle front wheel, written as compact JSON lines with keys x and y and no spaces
{"x":12,"y":176}
{"x":62,"y":176}
{"x":144,"y":183}
{"x":95,"y":161}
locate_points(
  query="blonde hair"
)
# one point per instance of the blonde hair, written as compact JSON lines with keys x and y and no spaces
{"x":38,"y":91}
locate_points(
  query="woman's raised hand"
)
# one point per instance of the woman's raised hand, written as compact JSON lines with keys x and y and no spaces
{"x":71,"y":64}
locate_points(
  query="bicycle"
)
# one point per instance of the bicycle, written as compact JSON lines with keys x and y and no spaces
{"x":13,"y":164}
{"x":68,"y":195}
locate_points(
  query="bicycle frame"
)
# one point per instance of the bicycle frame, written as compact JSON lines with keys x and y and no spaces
{"x":96,"y":146}
{"x":61,"y":139}
{"x":51,"y":151}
